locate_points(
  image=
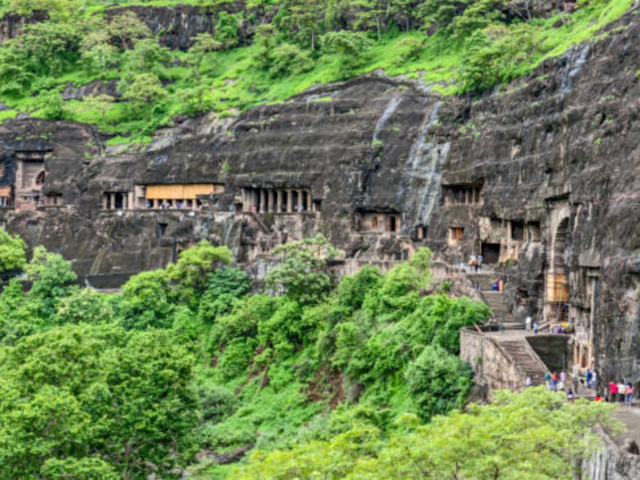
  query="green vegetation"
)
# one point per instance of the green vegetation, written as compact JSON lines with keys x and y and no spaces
{"x":535,"y":434}
{"x":471,"y":45}
{"x":322,"y":377}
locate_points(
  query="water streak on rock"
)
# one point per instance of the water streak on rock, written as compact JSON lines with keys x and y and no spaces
{"x":423,"y":172}
{"x":575,"y":58}
{"x":391,"y":107}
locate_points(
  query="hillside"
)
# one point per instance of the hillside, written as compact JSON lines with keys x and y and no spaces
{"x":133,"y":68}
{"x":237,"y":239}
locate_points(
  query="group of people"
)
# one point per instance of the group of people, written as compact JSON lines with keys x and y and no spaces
{"x":621,"y":392}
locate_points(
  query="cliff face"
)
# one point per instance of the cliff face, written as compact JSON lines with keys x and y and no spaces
{"x":541,"y":178}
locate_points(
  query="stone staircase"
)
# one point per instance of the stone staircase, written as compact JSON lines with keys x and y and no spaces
{"x":501,"y":313}
{"x":525,"y":359}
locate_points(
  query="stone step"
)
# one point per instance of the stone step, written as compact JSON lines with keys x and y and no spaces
{"x":525,"y":360}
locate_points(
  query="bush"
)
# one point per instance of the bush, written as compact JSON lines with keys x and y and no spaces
{"x":289,"y":59}
{"x":438,"y":381}
{"x":13,"y":250}
{"x":216,"y":402}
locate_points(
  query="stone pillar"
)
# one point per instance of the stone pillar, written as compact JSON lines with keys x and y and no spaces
{"x":125,"y":202}
{"x":299,"y":199}
{"x":262,"y":195}
{"x":278,"y":201}
{"x":105,"y":201}
{"x":289,"y":201}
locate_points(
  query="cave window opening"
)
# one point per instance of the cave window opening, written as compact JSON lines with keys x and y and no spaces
{"x":374,"y":223}
{"x":119,"y":201}
{"x":421,"y":232}
{"x":392,"y":224}
{"x":517,"y":231}
{"x":162,"y":229}
{"x":317,"y":205}
{"x":455,"y":235}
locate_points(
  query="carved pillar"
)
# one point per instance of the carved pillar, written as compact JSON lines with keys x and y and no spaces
{"x":261,"y":206}
{"x":289,"y":201}
{"x":278,"y":201}
{"x":105,"y":201}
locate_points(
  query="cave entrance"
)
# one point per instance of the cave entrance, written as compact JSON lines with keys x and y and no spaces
{"x":491,"y":253}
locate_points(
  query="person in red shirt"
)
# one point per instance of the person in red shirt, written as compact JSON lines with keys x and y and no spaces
{"x":613,"y":391}
{"x":598,"y":398}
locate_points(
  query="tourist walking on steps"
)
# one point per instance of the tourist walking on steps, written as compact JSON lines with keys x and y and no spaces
{"x":535,"y":327}
{"x":622,"y":392}
{"x":547,"y":380}
{"x":563,"y":377}
{"x":589,"y":379}
{"x":528,"y":323}
{"x":554,"y":382}
{"x":576,"y":384}
{"x":570,"y":396}
{"x":528,"y":382}
{"x":629,"y":394}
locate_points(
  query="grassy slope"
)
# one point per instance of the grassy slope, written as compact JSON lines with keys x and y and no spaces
{"x":234,"y":84}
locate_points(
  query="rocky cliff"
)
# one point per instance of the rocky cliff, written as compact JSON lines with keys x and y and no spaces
{"x":540,"y":177}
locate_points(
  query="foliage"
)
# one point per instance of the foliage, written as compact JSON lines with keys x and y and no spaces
{"x":95,"y":400}
{"x":303,"y":273}
{"x":12,"y":252}
{"x":536,"y":434}
{"x":348,"y":45}
{"x":195,"y":263}
{"x":438,"y":382}
{"x":51,"y":277}
{"x":146,"y":301}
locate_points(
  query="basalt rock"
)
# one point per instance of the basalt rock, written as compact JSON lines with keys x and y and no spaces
{"x":541,"y":177}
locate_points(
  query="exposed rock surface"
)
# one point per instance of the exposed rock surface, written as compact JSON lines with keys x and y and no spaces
{"x":549,"y":169}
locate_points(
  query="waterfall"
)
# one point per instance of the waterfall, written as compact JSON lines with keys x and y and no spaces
{"x":391,"y":107}
{"x":422,"y":173}
{"x":575,"y":58}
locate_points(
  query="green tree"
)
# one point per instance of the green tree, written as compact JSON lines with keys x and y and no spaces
{"x":535,"y":434}
{"x":438,"y":381}
{"x":13,"y":252}
{"x":146,"y":301}
{"x":52,"y":279}
{"x":348,"y":45}
{"x":303,"y":272}
{"x":99,"y":103}
{"x":203,"y":44}
{"x":196,"y":263}
{"x":126,"y":30}
{"x":95,"y":402}
{"x":226,"y":31}
{"x":288,"y":59}
{"x":83,"y":305}
{"x":51,"y":105}
{"x":144,"y":91}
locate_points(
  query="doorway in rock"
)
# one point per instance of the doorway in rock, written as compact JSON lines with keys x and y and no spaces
{"x":491,"y":253}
